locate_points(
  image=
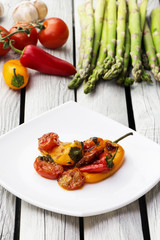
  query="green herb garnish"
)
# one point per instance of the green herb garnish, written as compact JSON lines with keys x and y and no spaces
{"x":46,"y":158}
{"x":109,"y":159}
{"x":76,"y":153}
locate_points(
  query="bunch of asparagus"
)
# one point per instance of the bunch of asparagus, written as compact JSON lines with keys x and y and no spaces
{"x":113,"y":35}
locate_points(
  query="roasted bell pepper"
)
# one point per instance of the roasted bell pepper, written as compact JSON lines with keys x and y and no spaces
{"x":97,"y":166}
{"x":36,"y":58}
{"x":65,"y":148}
{"x":103,"y":164}
{"x":97,"y":177}
{"x":107,"y":164}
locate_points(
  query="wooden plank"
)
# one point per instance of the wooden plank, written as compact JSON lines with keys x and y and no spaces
{"x":43,"y":93}
{"x":109,"y":99}
{"x":120,"y":224}
{"x":9,"y":118}
{"x":146,"y":102}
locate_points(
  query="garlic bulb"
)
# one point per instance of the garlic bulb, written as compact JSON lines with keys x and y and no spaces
{"x":25,"y":12}
{"x":41,"y":9}
{"x":1,"y":10}
{"x":28,"y":11}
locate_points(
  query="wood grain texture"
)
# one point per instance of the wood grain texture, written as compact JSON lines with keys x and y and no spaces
{"x":9,"y":118}
{"x":146,"y":102}
{"x":43,"y":93}
{"x":146,"y":106}
{"x":109,"y":99}
{"x":120,"y":224}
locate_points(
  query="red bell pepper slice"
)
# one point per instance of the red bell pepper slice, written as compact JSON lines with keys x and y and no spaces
{"x":98,"y":166}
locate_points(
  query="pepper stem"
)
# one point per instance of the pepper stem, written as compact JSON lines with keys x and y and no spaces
{"x":17,"y":79}
{"x":14,"y":49}
{"x":124,"y":136}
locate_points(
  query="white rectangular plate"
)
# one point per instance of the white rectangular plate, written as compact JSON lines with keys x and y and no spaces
{"x":139,"y":173}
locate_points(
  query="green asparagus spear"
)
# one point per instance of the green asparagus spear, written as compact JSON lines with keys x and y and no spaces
{"x":118,"y":66}
{"x":87,"y":57}
{"x":97,"y":72}
{"x":104,"y":63}
{"x":112,"y":23}
{"x":145,"y":61}
{"x":86,"y":64}
{"x":143,"y":8}
{"x":103,"y":42}
{"x":123,"y":79}
{"x":145,"y":77}
{"x":155,"y":29}
{"x":77,"y":78}
{"x":150,"y":50}
{"x":82,"y":16}
{"x":136,"y":37}
{"x":98,"y":20}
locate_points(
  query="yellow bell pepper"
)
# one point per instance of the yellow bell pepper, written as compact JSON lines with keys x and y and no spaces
{"x":60,"y":153}
{"x":15,"y":74}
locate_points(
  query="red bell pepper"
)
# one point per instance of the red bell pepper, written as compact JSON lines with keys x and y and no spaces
{"x":98,"y":166}
{"x":36,"y":58}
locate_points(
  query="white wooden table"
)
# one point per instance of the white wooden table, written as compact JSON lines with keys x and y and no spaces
{"x":138,"y":108}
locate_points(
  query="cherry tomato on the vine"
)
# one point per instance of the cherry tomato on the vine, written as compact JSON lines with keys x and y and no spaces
{"x":55,"y":33}
{"x":3,"y":33}
{"x":22,"y":39}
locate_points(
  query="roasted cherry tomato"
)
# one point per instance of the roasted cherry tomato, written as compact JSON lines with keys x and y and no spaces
{"x":22,"y":39}
{"x":92,"y":142}
{"x":47,"y":169}
{"x":54,"y":34}
{"x":88,"y":144}
{"x":93,"y":147}
{"x":71,"y":179}
{"x":3,"y":32}
{"x":48,"y":141}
